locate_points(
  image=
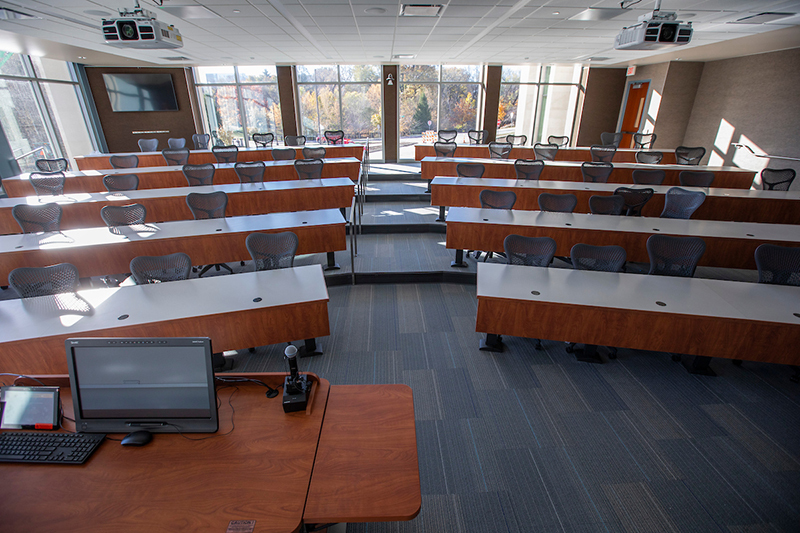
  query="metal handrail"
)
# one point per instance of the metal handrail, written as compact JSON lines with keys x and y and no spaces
{"x":353,"y":240}
{"x":26,"y":154}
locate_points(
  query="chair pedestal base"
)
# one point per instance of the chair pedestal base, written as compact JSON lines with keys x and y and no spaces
{"x":217,"y":266}
{"x":698,"y":365}
{"x":310,"y":348}
{"x":459,"y":262}
{"x":492,"y":343}
{"x":588,"y":354}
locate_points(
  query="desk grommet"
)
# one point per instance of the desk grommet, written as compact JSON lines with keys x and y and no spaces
{"x":304,"y":222}
{"x":656,"y":229}
{"x":536,"y":293}
{"x":486,"y":220}
{"x":257,"y":299}
{"x":18,"y":247}
{"x":218,"y":229}
{"x":796,"y":314}
{"x":123,"y":317}
{"x":659,"y":303}
{"x":750,"y":235}
{"x":567,"y":224}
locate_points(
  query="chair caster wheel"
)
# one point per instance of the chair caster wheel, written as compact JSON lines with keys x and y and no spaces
{"x":251,"y":350}
{"x":612,"y":354}
{"x":737,"y":362}
{"x":676,"y":358}
{"x":569,"y":349}
{"x":538,"y":345}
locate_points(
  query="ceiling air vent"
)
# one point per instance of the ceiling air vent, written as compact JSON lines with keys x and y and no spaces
{"x":599,"y":58}
{"x":420,"y":10}
{"x":176,"y":58}
{"x":761,"y":18}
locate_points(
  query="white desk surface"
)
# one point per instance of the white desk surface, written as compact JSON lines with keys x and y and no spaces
{"x":670,"y":226}
{"x":241,"y":150}
{"x":608,"y":188}
{"x":145,"y":194}
{"x":640,"y":292}
{"x":565,"y":148}
{"x":168,"y":230}
{"x":45,"y":316}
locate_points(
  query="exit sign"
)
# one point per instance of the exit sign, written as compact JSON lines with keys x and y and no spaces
{"x":631,"y":71}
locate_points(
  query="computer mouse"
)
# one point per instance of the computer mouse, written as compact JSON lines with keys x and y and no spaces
{"x":137,"y":438}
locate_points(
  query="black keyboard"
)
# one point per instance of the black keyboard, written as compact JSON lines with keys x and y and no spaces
{"x":57,"y":448}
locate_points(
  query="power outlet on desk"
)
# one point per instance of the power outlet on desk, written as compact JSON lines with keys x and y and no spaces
{"x":295,"y":394}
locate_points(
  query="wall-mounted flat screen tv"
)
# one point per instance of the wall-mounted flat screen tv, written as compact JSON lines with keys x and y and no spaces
{"x":140,"y":92}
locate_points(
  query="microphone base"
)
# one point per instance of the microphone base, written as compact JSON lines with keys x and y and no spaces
{"x":295,"y":394}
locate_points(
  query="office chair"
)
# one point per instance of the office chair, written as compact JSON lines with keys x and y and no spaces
{"x":545,"y":152}
{"x":447,"y":136}
{"x":652,"y":157}
{"x":30,"y":282}
{"x":606,"y":205}
{"x":271,"y":251}
{"x":557,"y":203}
{"x":517,"y":140}
{"x":635,"y":199}
{"x":314,"y":153}
{"x":121,"y":182}
{"x":610,"y":139}
{"x":176,"y":156}
{"x":124,"y":161}
{"x":774,"y":179}
{"x":688,"y":155}
{"x":642,"y":176}
{"x":250,"y":172}
{"x":470,"y":170}
{"x":201,"y":141}
{"x":176,"y":143}
{"x":497,"y":199}
{"x":680,"y":203}
{"x":198,"y":175}
{"x":334,"y":136}
{"x":445,"y":149}
{"x":778,"y":265}
{"x":225,"y":154}
{"x":294,"y":140}
{"x":644,"y":141}
{"x":148,"y":145}
{"x":499,"y":150}
{"x":263,"y":139}
{"x":562,"y":141}
{"x":603,"y":153}
{"x":696,"y":178}
{"x":309,"y":169}
{"x":52,"y":165}
{"x":674,"y":256}
{"x":47,"y":183}
{"x":528,"y":169}
{"x":596,"y":172}
{"x":477,"y":136}
{"x":36,"y":218}
{"x":206,"y":206}
{"x":283,"y":154}
{"x":123,"y":215}
{"x":147,"y":269}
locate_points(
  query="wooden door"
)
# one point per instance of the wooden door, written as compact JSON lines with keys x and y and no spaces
{"x":634,"y":110}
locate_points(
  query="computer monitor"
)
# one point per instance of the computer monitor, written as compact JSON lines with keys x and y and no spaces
{"x":162,"y":385}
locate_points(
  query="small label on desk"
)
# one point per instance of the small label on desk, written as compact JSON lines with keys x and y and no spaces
{"x":241,"y":526}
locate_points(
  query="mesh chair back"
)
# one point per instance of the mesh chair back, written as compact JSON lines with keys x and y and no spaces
{"x":477,"y":136}
{"x":207,"y":205}
{"x":225,"y":154}
{"x":309,"y":169}
{"x":176,"y":142}
{"x":680,"y":203}
{"x":334,"y":136}
{"x":52,"y":165}
{"x":606,"y":205}
{"x":611,"y":139}
{"x":600,"y":258}
{"x":497,"y":199}
{"x":557,"y":203}
{"x":561,"y":141}
{"x":652,"y":158}
{"x":124,"y":161}
{"x":674,"y":256}
{"x":773,"y":179}
{"x":250,"y":172}
{"x":644,"y":141}
{"x":779,"y":265}
{"x":263,"y":139}
{"x":176,"y":156}
{"x":642,"y":176}
{"x":444,"y":149}
{"x":283,"y":154}
{"x":160,"y":268}
{"x":50,"y":183}
{"x":529,"y":251}
{"x":271,"y":251}
{"x":634,"y":199}
{"x":689,"y":155}
{"x":470,"y":170}
{"x":121,"y":182}
{"x":123,"y":215}
{"x":447,"y":136}
{"x":314,"y":153}
{"x":197,"y":175}
{"x":596,"y":172}
{"x":201,"y":141}
{"x":545,"y":152}
{"x":294,"y":140}
{"x":499,"y":150}
{"x":528,"y":169}
{"x":603,"y":153}
{"x":517,"y":140}
{"x":30,"y":282}
{"x":148,"y":145}
{"x":696,"y":178}
{"x":36,"y":218}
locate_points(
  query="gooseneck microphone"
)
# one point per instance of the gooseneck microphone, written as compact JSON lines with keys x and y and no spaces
{"x":295,"y":386}
{"x":290,"y":353}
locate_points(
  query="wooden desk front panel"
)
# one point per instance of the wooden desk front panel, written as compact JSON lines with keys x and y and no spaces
{"x":580,"y":154}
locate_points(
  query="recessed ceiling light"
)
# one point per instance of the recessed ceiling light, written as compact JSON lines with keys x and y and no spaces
{"x":236,"y":11}
{"x":375,"y":10}
{"x":404,"y":56}
{"x":81,"y":57}
{"x":420,"y":10}
{"x":378,"y":57}
{"x":10,"y":14}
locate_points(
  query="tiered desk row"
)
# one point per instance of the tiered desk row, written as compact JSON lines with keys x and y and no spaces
{"x":580,"y":154}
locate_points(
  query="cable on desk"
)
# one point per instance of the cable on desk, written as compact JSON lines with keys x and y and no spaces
{"x":21,"y":376}
{"x":271,"y":393}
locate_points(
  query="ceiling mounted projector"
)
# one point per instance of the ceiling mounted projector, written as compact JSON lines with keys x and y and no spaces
{"x":659,"y":29}
{"x":139,"y":28}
